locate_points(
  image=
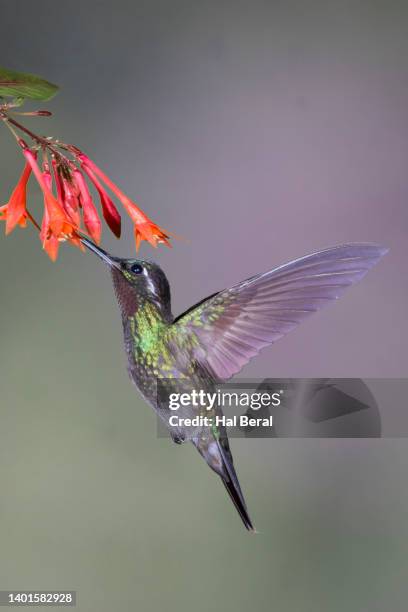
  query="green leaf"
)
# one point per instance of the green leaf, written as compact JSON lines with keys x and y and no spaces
{"x":21,"y":84}
{"x":16,"y":102}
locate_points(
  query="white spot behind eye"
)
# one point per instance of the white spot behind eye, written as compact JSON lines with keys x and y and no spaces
{"x":150,"y":283}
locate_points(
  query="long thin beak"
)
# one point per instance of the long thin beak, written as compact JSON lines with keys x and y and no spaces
{"x":108,"y":259}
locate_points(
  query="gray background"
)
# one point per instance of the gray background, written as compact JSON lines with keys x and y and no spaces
{"x":260,"y":131}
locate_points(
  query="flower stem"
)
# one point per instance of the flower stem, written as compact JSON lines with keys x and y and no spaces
{"x":42,"y":141}
{"x":33,"y":221}
{"x":45,"y":144}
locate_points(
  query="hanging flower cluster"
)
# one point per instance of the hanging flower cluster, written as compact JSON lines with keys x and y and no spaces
{"x":67,"y":177}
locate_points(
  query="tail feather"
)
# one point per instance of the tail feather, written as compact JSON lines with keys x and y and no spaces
{"x":239,"y":503}
{"x":218,"y":456}
{"x":230,"y":481}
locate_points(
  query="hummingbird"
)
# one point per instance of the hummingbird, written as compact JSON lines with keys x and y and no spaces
{"x":212,"y":341}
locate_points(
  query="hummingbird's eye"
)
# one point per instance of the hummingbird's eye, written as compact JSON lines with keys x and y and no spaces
{"x":136,"y":268}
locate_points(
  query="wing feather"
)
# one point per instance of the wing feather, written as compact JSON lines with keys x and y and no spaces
{"x":230,"y":327}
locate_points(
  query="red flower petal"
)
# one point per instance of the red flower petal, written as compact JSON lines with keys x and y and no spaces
{"x":51,"y":247}
{"x":71,"y":202}
{"x":16,"y":207}
{"x":150,"y":232}
{"x":109,"y":210}
{"x":144,"y":229}
{"x":59,"y":222}
{"x":49,"y":240}
{"x":91,"y":218}
{"x":58,"y":181}
{"x":3,"y":212}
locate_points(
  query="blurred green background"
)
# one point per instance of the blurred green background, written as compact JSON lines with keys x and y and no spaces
{"x":260,"y":131}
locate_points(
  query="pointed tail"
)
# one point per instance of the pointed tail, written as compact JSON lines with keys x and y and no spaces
{"x":239,"y":502}
{"x":218,"y":456}
{"x":230,"y":481}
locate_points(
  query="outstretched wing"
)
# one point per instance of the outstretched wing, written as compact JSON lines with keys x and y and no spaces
{"x":227,"y":329}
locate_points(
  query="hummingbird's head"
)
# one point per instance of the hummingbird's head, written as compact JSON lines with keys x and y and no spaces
{"x":136,"y":281}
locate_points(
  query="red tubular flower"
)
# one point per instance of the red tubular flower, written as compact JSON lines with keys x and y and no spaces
{"x":58,"y":222}
{"x":69,"y":208}
{"x":109,"y":210}
{"x":91,"y":217}
{"x":70,"y":201}
{"x":14,"y":212}
{"x":58,"y":181}
{"x":144,"y":228}
{"x":67,"y":193}
{"x":56,"y":225}
{"x":49,"y":240}
{"x":150,"y":232}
